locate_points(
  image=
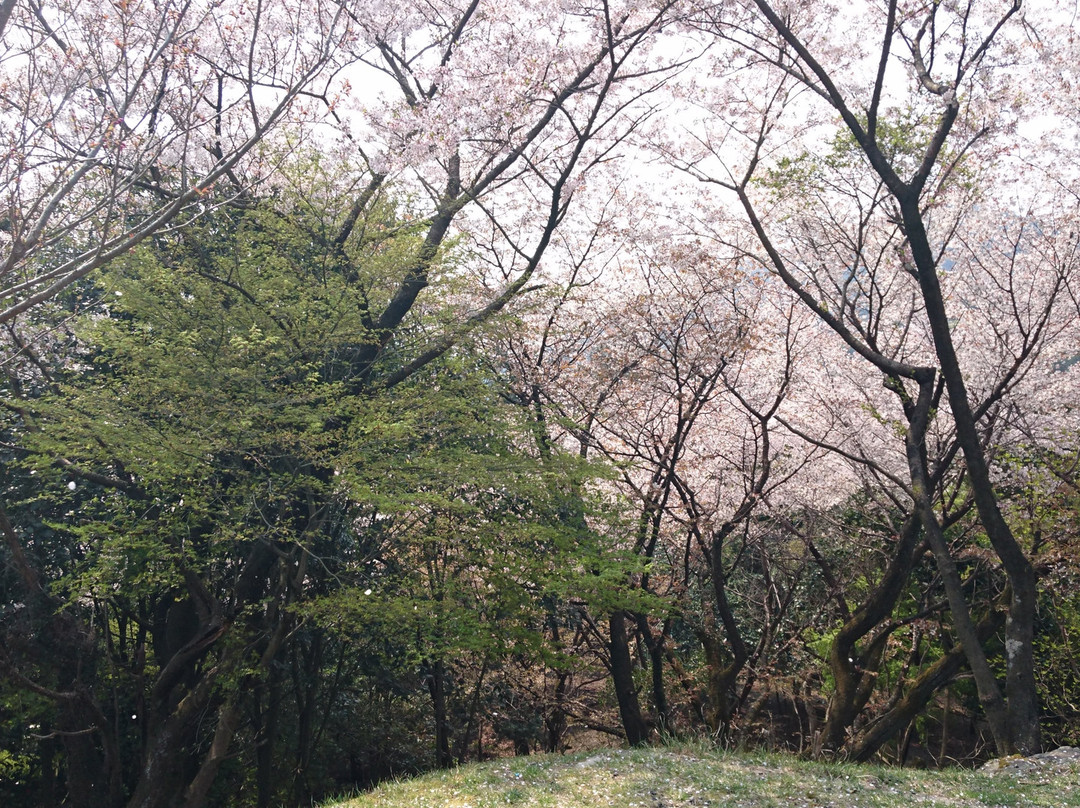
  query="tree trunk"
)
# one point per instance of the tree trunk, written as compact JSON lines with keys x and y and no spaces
{"x":918,"y":695}
{"x":64,"y":643}
{"x":555,"y":719}
{"x":306,"y":659}
{"x":843,"y":654}
{"x":267,"y":735}
{"x":1020,"y":687}
{"x":228,"y":720}
{"x":722,"y":675}
{"x":436,"y":682}
{"x":622,"y":675}
{"x":989,"y":693}
{"x":655,"y":646}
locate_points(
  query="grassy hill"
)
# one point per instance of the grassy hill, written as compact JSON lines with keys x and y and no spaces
{"x":694,"y":777}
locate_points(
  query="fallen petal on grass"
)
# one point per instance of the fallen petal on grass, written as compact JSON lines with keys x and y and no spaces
{"x":695,"y":777}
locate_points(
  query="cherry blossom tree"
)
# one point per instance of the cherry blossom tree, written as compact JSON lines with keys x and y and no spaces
{"x":122,"y":119}
{"x":919,"y":113}
{"x":479,"y":126}
{"x":672,"y":366}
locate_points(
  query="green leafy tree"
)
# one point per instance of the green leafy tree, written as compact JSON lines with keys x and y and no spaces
{"x":227,"y":466}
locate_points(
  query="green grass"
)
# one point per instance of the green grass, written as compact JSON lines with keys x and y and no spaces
{"x":693,"y":777}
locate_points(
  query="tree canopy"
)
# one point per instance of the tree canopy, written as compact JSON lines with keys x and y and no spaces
{"x":391,"y":386}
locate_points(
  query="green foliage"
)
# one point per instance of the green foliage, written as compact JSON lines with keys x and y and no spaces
{"x":902,"y":137}
{"x":228,"y":396}
{"x":214,"y":390}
